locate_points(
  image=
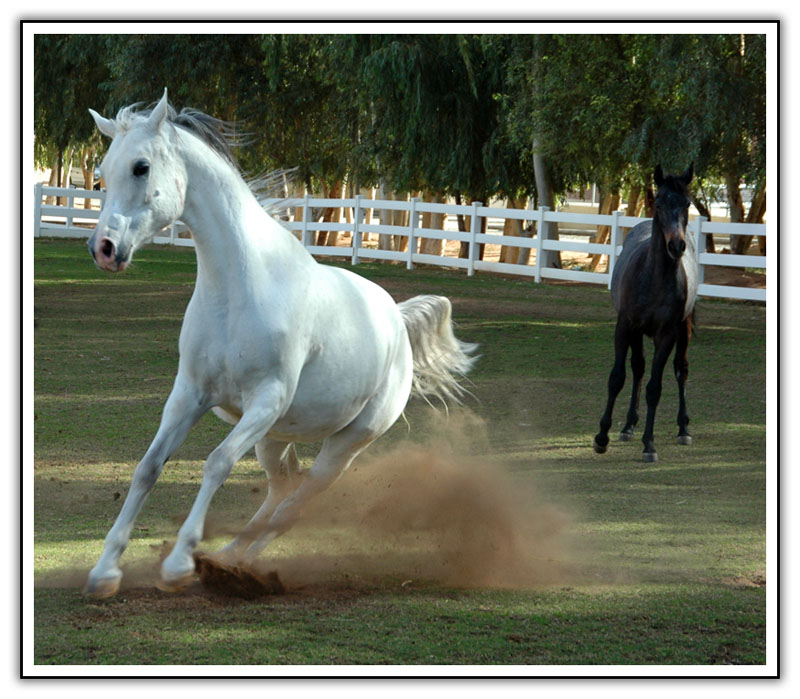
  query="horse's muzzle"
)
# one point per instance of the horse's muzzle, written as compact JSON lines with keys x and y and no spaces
{"x":107,"y":254}
{"x":676,"y":247}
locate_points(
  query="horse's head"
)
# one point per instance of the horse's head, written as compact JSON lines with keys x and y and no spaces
{"x":671,"y":209}
{"x":145,"y":182}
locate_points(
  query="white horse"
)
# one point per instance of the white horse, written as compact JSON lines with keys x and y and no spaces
{"x":283,"y":348}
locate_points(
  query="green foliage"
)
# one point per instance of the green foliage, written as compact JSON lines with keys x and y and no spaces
{"x":446,"y":113}
{"x":608,"y":108}
{"x":68,"y":71}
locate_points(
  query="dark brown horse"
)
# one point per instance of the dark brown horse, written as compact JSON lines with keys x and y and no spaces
{"x":654,"y":286}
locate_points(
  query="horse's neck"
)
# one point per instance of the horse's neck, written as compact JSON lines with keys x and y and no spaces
{"x":229,"y":227}
{"x":660,"y":263}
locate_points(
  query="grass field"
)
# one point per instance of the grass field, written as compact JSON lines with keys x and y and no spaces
{"x":493,"y":537}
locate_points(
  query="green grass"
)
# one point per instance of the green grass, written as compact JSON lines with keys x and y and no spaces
{"x":661,"y":563}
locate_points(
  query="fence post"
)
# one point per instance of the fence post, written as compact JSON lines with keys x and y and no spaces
{"x":473,"y":234}
{"x":700,"y":246}
{"x":70,"y":203}
{"x":306,"y":216}
{"x":357,"y":213}
{"x":412,"y":225}
{"x":37,"y":210}
{"x":612,"y":255}
{"x":540,"y":212}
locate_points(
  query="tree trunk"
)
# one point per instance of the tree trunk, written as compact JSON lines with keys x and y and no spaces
{"x":52,"y":181}
{"x":434,"y":221}
{"x":649,"y":202}
{"x":703,"y":210}
{"x":609,"y":202}
{"x":59,"y":163}
{"x":385,"y":241}
{"x":298,"y":193}
{"x":67,"y":168}
{"x":400,"y":219}
{"x":544,"y":188}
{"x":736,"y":208}
{"x":333,"y":214}
{"x":463,"y":227}
{"x":758,"y":207}
{"x":87,"y":167}
{"x":634,"y":201}
{"x":482,"y":246}
{"x":513,"y":228}
{"x":367,"y":212}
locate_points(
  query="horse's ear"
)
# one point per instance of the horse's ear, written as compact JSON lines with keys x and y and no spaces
{"x":658,"y":176}
{"x":686,"y":177}
{"x":159,"y":114}
{"x":106,"y":126}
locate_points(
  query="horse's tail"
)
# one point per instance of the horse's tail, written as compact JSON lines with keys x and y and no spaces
{"x":439,"y":357}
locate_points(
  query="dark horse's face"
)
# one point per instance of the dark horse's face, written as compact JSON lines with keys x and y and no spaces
{"x":672,"y":209}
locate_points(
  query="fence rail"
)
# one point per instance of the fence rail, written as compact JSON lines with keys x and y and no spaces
{"x":360,"y":224}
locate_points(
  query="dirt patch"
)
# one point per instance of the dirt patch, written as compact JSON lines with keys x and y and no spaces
{"x":735,"y":276}
{"x":757,"y":579}
{"x":236,"y":581}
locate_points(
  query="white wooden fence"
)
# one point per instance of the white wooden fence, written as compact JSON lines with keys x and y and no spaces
{"x":71,"y":222}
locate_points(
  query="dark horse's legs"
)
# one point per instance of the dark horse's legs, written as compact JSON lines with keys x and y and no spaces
{"x":681,"y":374}
{"x":664,"y":343}
{"x":616,"y":381}
{"x":637,"y":369}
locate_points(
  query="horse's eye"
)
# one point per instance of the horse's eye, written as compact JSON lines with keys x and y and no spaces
{"x":141,"y":168}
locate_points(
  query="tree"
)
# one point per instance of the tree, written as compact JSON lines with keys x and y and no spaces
{"x":69,"y":77}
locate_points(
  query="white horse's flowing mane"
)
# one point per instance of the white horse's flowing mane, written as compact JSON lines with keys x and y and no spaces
{"x":223,"y":137}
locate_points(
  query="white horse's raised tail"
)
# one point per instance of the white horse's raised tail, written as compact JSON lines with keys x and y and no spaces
{"x":284,"y":348}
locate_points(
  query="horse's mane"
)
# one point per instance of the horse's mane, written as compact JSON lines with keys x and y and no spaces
{"x":222,"y":137}
{"x":219,"y":135}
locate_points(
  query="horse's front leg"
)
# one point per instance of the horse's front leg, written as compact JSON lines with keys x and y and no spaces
{"x":178,"y":568}
{"x":637,"y":369}
{"x":681,"y":365}
{"x":664,"y":343}
{"x":181,"y":411}
{"x":616,"y":381}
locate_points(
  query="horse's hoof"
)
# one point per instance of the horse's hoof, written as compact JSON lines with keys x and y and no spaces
{"x":626,"y":436}
{"x":103,"y":588}
{"x":685,"y":439}
{"x":649,"y":457}
{"x":599,"y":448}
{"x":176,"y":585}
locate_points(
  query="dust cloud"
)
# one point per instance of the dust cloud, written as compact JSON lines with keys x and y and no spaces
{"x":439,"y":509}
{"x":445,"y":511}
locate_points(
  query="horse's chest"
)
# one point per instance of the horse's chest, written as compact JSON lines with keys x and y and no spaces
{"x":652,"y":315}
{"x":223,"y":357}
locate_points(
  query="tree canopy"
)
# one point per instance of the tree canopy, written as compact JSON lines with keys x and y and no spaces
{"x":451,"y":114}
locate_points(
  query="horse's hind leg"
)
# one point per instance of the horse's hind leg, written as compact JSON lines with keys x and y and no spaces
{"x":616,"y":381}
{"x":681,"y":364}
{"x":637,"y":369}
{"x":337,"y":453}
{"x":284,"y":474}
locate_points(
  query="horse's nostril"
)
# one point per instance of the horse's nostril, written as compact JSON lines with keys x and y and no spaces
{"x":107,"y":248}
